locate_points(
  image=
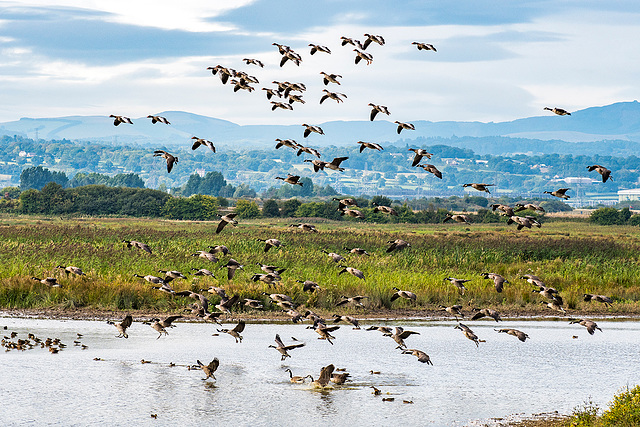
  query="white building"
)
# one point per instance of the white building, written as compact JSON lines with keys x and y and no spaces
{"x":627,"y":195}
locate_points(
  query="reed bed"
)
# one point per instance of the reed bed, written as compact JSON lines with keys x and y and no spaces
{"x":575,"y":258}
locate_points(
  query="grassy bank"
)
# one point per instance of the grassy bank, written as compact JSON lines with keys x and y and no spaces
{"x":575,"y":258}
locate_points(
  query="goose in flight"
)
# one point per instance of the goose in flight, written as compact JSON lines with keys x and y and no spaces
{"x":123,"y":326}
{"x":199,"y":141}
{"x":516,"y":333}
{"x":352,"y":42}
{"x":336,"y":96}
{"x":209,"y":369}
{"x":606,"y":173}
{"x":137,"y":245}
{"x":431,"y":169}
{"x":421,"y":355}
{"x":330,"y":78}
{"x":251,"y":61}
{"x":457,"y":218}
{"x":226,"y":219}
{"x":558,"y":111}
{"x":120,"y":119}
{"x":424,"y":46}
{"x":560,"y":193}
{"x":372,"y":38}
{"x":402,"y":126}
{"x":479,"y":187}
{"x":367,"y":57}
{"x":310,"y":128}
{"x":168,"y":157}
{"x":371,"y":145}
{"x":158,"y":119}
{"x":291,"y":179}
{"x":235,"y":332}
{"x":375,"y":109}
{"x":419,"y":154}
{"x":318,"y":48}
{"x":283,"y":349}
{"x":397,"y":245}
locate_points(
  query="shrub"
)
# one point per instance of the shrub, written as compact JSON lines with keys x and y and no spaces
{"x":608,"y":216}
{"x":624,"y":410}
{"x":197,"y":207}
{"x":270,"y":209}
{"x":247,"y":209}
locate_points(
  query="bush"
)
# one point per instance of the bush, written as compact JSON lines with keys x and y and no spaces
{"x":197,"y":207}
{"x":270,"y":209}
{"x":609,"y":216}
{"x":624,"y":410}
{"x":247,"y":209}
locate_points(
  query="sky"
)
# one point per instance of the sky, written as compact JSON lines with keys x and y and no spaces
{"x":497,"y":60}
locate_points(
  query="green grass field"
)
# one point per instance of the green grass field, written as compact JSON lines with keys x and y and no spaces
{"x":575,"y":258}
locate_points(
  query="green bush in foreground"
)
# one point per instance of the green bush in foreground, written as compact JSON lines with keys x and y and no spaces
{"x":623,"y":411}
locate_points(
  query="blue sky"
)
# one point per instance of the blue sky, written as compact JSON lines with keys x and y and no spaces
{"x":496,"y":61}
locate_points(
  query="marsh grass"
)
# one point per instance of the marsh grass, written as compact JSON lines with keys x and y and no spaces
{"x":573,"y":257}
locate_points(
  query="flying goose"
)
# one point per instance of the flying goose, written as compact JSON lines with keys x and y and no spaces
{"x":71,"y":269}
{"x":199,"y":141}
{"x":271,"y":269}
{"x":330,"y":78}
{"x":271,"y":93}
{"x":504,"y":209}
{"x":253,"y":303}
{"x":479,"y":187}
{"x":456,"y":310}
{"x":357,"y":251}
{"x":458,"y":283}
{"x":292,"y":56}
{"x":560,"y":193}
{"x":431,"y":169}
{"x":555,"y":304}
{"x":161,"y":325}
{"x":486,"y":312}
{"x":324,"y":378}
{"x":173,"y":274}
{"x":202,"y":272}
{"x":251,"y":61}
{"x":284,"y":348}
{"x":287,"y":143}
{"x":270,"y":279}
{"x":232,"y":266}
{"x":498,"y":280}
{"x":336,"y":96}
{"x":345,"y":202}
{"x":206,"y":255}
{"x":384,"y":209}
{"x":235,"y":332}
{"x":606,"y":173}
{"x":403,"y":294}
{"x":516,"y":333}
{"x":283,"y":105}
{"x":558,"y":111}
{"x":355,"y":300}
{"x":137,"y":245}
{"x":334,"y":256}
{"x":293,"y":314}
{"x":291,"y":179}
{"x":527,"y":221}
{"x":226,"y":219}
{"x":335,"y":164}
{"x":296,"y":98}
{"x":318,"y":48}
{"x":123,"y":326}
{"x":348,"y":319}
{"x":310,"y":128}
{"x":375,"y":109}
{"x":530,"y":206}
{"x":317,"y":164}
{"x":158,"y":119}
{"x":424,"y":46}
{"x":371,"y":145}
{"x":308,"y":150}
{"x":353,"y":271}
{"x":589,"y":324}
{"x":324,"y":331}
{"x":372,"y":38}
{"x":599,"y":298}
{"x":120,"y":119}
{"x":219,"y":249}
{"x":353,"y":213}
{"x":168,"y":157}
{"x":419,"y":154}
{"x":468,"y":333}
{"x":309,"y":285}
{"x":397,"y":245}
{"x":421,"y":355}
{"x":367,"y":57}
{"x":226,"y":304}
{"x":269,"y":243}
{"x":305,"y":227}
{"x":204,"y":301}
{"x":209,"y":369}
{"x":400,"y":335}
{"x":401,"y":126}
{"x":153,"y":279}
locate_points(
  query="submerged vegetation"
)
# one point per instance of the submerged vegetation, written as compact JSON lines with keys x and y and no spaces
{"x":575,"y":258}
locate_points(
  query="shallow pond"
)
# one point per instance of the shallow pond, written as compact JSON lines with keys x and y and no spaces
{"x":550,"y":371}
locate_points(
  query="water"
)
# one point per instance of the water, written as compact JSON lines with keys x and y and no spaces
{"x":551,"y":371}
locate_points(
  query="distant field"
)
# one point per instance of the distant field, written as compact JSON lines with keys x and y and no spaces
{"x":574,"y":257}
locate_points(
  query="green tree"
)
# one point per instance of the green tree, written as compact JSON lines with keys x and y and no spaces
{"x":289,"y":207}
{"x":270,"y":209}
{"x":37,"y":177}
{"x":247,"y":209}
{"x":196,"y":207}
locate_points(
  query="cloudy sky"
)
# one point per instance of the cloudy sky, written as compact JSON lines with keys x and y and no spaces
{"x":497,"y":60}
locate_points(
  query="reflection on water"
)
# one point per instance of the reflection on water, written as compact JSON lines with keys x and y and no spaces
{"x":551,"y":371}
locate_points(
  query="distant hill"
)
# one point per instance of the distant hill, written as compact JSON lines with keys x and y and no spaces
{"x":619,"y":121}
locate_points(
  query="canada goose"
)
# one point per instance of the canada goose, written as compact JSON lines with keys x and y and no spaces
{"x":424,"y":46}
{"x":195,"y":309}
{"x":352,"y":42}
{"x":168,"y":157}
{"x":279,"y":297}
{"x":558,"y":111}
{"x":372,"y":38}
{"x":376,"y":391}
{"x":123,"y":326}
{"x":310,"y":128}
{"x":209,"y":369}
{"x":340,"y":378}
{"x":498,"y":280}
{"x":486,"y":312}
{"x":384,"y":209}
{"x":271,"y":93}
{"x":296,"y":98}
{"x":419,"y":154}
{"x":555,"y":305}
{"x":291,"y":179}
{"x":120,"y":119}
{"x":165,"y":287}
{"x":284,"y":348}
{"x":269,"y":243}
{"x":431,"y":169}
{"x":161,"y":325}
{"x":342,"y":203}
{"x":226,"y":219}
{"x":367,"y":57}
{"x":271,"y":269}
{"x":521,"y":207}
{"x":203,"y":272}
{"x":335,"y":164}
{"x":251,"y":61}
{"x":153,"y":279}
{"x":253,"y":303}
{"x":220,"y":249}
{"x":223,"y":73}
{"x":589,"y":324}
{"x":336,"y":96}
{"x":402,"y":126}
{"x":325,"y":331}
{"x":421,"y":355}
{"x":599,"y":298}
{"x":606,"y":173}
{"x":375,"y":109}
{"x":287,"y":143}
{"x":213,"y":317}
{"x":232,"y":265}
{"x":158,"y":119}
{"x":456,"y":310}
{"x":203,"y":300}
{"x":383,"y":329}
{"x":317,"y":164}
{"x":292,"y":56}
{"x":355,"y":300}
{"x":324,"y":378}
{"x":71,"y":269}
{"x":294,"y":314}
{"x":468,"y":333}
{"x":206,"y":255}
{"x":353,"y":213}
{"x":479,"y":187}
{"x":403,"y":294}
{"x":226,"y":304}
{"x":305,"y":227}
{"x":357,"y":251}
{"x":348,"y":319}
{"x":317,"y":48}
{"x":330,"y":78}
{"x":549,"y":293}
{"x":137,"y":245}
{"x":522,"y":222}
{"x":371,"y":145}
{"x":199,"y":141}
{"x":353,"y":271}
{"x":295,"y":379}
{"x":504,"y":209}
{"x":308,"y":150}
{"x":457,"y":218}
{"x":309,"y":286}
{"x":235,"y":332}
{"x":397,"y":245}
{"x":400,"y":335}
{"x":516,"y":333}
{"x":560,"y":193}
{"x":536,"y":281}
{"x":310,"y":315}
{"x":283,"y":105}
{"x":458,"y":283}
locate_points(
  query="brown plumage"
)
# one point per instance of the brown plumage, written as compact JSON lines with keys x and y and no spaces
{"x":468,"y":333}
{"x":336,"y":96}
{"x":367,"y":57}
{"x":457,"y":218}
{"x":120,"y":119}
{"x":375,"y":109}
{"x":168,"y":157}
{"x":479,"y":187}
{"x":516,"y":333}
{"x":421,"y":355}
{"x":318,"y":48}
{"x":291,"y":179}
{"x":402,"y":126}
{"x":324,"y":378}
{"x":498,"y":280}
{"x":371,"y":145}
{"x":606,"y":173}
{"x":400,"y":335}
{"x":137,"y":245}
{"x":199,"y":141}
{"x":284,"y":348}
{"x":431,"y":169}
{"x":403,"y":294}
{"x":235,"y":332}
{"x":397,"y":245}
{"x":330,"y":78}
{"x":598,"y":298}
{"x":353,"y":271}
{"x":424,"y":46}
{"x":558,"y":111}
{"x":560,"y":193}
{"x":310,"y":128}
{"x":209,"y":369}
{"x":486,"y":312}
{"x":251,"y":61}
{"x":589,"y":324}
{"x":419,"y":154}
{"x":123,"y":326}
{"x":226,"y":219}
{"x":269,"y":243}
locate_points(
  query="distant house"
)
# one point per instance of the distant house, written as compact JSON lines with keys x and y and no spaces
{"x":628,"y":195}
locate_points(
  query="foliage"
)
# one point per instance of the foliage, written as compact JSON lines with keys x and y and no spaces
{"x":289,"y":207}
{"x":119,"y":180}
{"x":10,"y":192}
{"x":270,"y":209}
{"x":38,"y":177}
{"x":196,"y":207}
{"x":610,"y":216}
{"x":624,"y":410}
{"x":555,"y":206}
{"x":212,"y":184}
{"x":247,"y":209}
